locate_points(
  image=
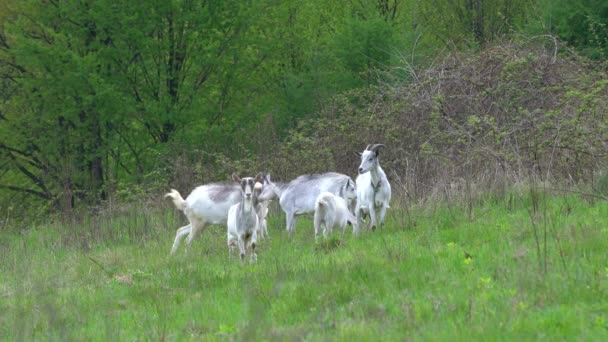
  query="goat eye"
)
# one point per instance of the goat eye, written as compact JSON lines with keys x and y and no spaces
{"x":370,"y":159}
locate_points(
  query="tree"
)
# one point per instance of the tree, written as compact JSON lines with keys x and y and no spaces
{"x":583,"y":24}
{"x":97,"y":85}
{"x":478,"y":21}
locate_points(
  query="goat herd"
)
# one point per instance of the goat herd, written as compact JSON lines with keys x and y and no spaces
{"x":243,"y":207}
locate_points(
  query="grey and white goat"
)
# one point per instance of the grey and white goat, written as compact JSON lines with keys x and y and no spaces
{"x":298,"y":196}
{"x":242,"y":218}
{"x":261,"y":208}
{"x":373,"y":188}
{"x":332,"y":210}
{"x":206,"y":204}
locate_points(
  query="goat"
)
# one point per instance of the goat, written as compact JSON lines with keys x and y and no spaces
{"x":332,"y":210}
{"x":206,"y":204}
{"x":242,"y":219}
{"x":298,"y":196}
{"x":373,"y":188}
{"x":261,"y":208}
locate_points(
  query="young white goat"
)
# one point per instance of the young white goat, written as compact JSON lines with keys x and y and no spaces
{"x":242,"y":218}
{"x":332,"y":210}
{"x":206,"y":204}
{"x":261,"y":208}
{"x":298,"y":196}
{"x":373,"y":188}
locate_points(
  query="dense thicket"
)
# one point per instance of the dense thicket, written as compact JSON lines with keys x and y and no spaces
{"x":512,"y":112}
{"x":104,"y":100}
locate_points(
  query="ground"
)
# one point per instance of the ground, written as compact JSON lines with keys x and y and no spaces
{"x":503,"y":270}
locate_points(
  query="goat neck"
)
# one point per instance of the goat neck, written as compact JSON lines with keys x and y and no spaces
{"x":375,"y":178}
{"x":278,"y":188}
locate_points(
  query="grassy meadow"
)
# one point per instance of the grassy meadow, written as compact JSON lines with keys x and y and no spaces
{"x":523,"y":266}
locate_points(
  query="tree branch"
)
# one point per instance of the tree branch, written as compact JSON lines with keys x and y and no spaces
{"x":35,"y":179}
{"x":29,"y":191}
{"x":32,"y":160}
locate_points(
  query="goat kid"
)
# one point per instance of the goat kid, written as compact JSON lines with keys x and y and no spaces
{"x":298,"y":196}
{"x":261,"y":208}
{"x":243,"y":220}
{"x":373,"y":188}
{"x":332,"y":210}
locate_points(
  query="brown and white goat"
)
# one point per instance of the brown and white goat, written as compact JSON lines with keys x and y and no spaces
{"x":206,"y":204}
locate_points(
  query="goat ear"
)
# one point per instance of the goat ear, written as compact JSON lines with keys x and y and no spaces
{"x":259,"y":178}
{"x":358,"y":154}
{"x":267,"y":178}
{"x":236,"y":178}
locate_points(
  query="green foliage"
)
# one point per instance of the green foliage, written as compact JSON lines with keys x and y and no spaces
{"x":364,"y":46}
{"x":99,"y":94}
{"x":581,"y":23}
{"x":602,"y":184}
{"x":99,"y":88}
{"x":507,"y":115}
{"x":470,"y":22}
{"x":103,"y":101}
{"x":301,"y":154}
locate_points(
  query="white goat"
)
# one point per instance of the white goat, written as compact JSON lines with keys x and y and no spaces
{"x":206,"y":204}
{"x":298,"y":196}
{"x":332,"y":210}
{"x":242,"y":218}
{"x":373,"y":188}
{"x":261,"y":208}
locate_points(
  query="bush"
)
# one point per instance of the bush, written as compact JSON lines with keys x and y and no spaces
{"x":514,"y":111}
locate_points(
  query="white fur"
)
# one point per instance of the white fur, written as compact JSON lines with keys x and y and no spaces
{"x":373,"y":189}
{"x":201,"y":211}
{"x":243,"y":222}
{"x":262,"y":211}
{"x":261,"y":208}
{"x":330,"y":211}
{"x":298,"y":196}
{"x":202,"y":208}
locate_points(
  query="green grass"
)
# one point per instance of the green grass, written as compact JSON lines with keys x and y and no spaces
{"x":429,"y":274}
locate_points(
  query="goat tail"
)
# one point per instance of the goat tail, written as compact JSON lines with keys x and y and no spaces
{"x":177,"y":199}
{"x":322,"y":203}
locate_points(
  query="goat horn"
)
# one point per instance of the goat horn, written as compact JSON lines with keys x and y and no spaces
{"x":368,"y":146}
{"x":376,"y":147}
